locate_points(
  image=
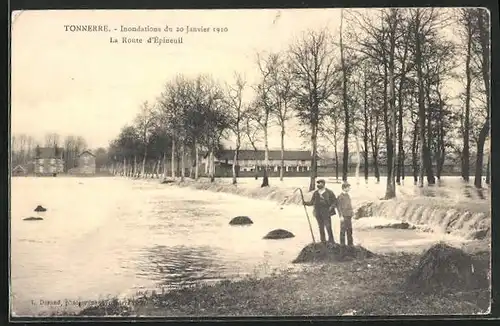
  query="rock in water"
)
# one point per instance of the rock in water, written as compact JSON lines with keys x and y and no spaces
{"x":365,"y":210}
{"x":446,"y":268}
{"x":241,"y":220}
{"x":32,"y":218}
{"x":40,"y":209}
{"x":480,"y":235}
{"x":321,"y":252}
{"x":279,"y":234}
{"x":402,"y":225}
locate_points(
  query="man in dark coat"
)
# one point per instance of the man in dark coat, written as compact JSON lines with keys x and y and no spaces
{"x":324,"y":202}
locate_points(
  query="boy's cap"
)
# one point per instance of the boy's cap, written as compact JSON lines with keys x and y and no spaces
{"x":321,"y":180}
{"x":345,"y":185}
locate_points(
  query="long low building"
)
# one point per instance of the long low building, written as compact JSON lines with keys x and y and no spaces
{"x":251,"y":160}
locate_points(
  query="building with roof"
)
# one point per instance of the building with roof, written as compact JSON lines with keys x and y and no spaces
{"x":48,"y":161}
{"x":251,"y":160}
{"x":86,"y":163}
{"x":19,"y":170}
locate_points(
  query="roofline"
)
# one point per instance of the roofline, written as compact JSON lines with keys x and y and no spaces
{"x":86,"y":152}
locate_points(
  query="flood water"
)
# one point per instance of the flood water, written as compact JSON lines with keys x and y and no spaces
{"x":114,"y":237}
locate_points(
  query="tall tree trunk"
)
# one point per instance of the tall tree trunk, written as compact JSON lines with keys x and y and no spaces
{"x":365,"y":126}
{"x":421,"y":104}
{"x":488,"y":169}
{"x":212,"y":166}
{"x":191,"y":162}
{"x":197,"y":168}
{"x":314,"y":164}
{"x":374,"y":143}
{"x":235,"y":163}
{"x":483,"y":134}
{"x":183,"y":161}
{"x":390,"y":191}
{"x":414,"y":152}
{"x":466,"y":126}
{"x":256,"y":169}
{"x":265,"y":179}
{"x":207,"y":164}
{"x":282,"y":163}
{"x":401,"y":163}
{"x":440,"y":148}
{"x":336,"y":153}
{"x":179,"y":165}
{"x":164,"y":165}
{"x":428,"y":152}
{"x":172,"y":163}
{"x":345,"y":163}
{"x":358,"y":157}
{"x":136,"y":172}
{"x":483,"y":27}
{"x":143,"y":171}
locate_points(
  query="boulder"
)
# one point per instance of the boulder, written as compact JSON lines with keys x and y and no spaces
{"x":31,"y":218}
{"x":167,"y":181}
{"x":444,"y":268}
{"x":279,"y":234}
{"x":328,"y":252}
{"x":480,"y":235}
{"x":241,"y":220}
{"x":40,"y":209}
{"x":402,"y":225}
{"x":365,"y":210}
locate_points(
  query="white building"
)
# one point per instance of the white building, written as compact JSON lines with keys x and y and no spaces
{"x":249,"y":160}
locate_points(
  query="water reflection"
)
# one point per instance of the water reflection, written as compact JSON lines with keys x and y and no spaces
{"x":178,"y":266}
{"x":428,"y":191}
{"x":470,"y":190}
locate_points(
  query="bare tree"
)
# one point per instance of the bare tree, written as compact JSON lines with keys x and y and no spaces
{"x":52,"y":139}
{"x":266,"y":101}
{"x":172,"y":114}
{"x":483,"y":52}
{"x":144,"y":123}
{"x":252,"y":131}
{"x":393,"y":20}
{"x":345,"y":105}
{"x":312,"y":64}
{"x":237,"y":110}
{"x":466,"y":18}
{"x":377,"y":40}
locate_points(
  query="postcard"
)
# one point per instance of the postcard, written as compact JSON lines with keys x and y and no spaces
{"x":243,"y":163}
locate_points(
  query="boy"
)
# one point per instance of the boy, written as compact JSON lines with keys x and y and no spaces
{"x":324,"y":201}
{"x":344,"y":207}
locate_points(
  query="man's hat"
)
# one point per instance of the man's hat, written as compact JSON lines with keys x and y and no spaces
{"x":320,"y":180}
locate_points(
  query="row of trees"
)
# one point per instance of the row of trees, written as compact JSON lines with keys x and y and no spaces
{"x":390,"y":79}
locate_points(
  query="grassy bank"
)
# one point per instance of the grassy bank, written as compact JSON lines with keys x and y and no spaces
{"x":374,"y":286}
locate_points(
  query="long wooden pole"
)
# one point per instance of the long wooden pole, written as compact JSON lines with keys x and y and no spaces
{"x":307,"y":215}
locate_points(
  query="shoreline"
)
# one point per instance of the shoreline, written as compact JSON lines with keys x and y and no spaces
{"x":344,"y":288}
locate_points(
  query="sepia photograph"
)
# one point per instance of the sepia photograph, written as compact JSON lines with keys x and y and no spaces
{"x":250,"y":162}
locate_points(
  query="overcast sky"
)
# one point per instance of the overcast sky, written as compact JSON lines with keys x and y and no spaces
{"x":79,"y":83}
